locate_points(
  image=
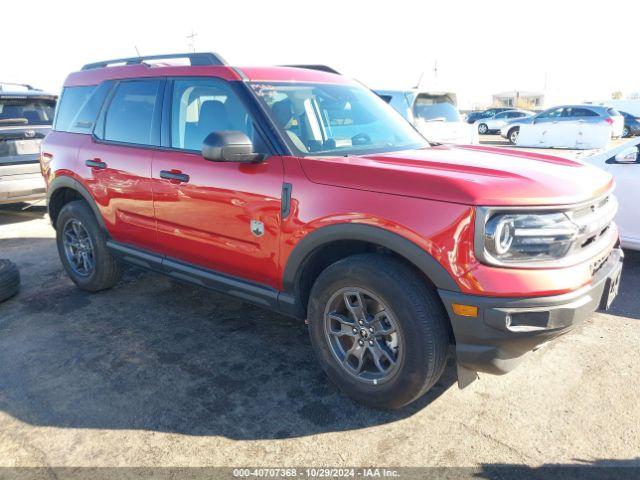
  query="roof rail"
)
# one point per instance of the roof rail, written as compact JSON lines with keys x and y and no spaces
{"x":28,"y":87}
{"x":196,"y":60}
{"x":319,"y":67}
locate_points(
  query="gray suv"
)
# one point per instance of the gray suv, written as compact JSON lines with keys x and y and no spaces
{"x":26,"y":115}
{"x":568,"y":113}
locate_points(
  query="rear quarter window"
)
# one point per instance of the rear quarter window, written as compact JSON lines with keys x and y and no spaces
{"x":79,"y":107}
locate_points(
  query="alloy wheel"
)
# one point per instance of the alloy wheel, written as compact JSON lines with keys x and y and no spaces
{"x":78,"y":248}
{"x":363,"y":335}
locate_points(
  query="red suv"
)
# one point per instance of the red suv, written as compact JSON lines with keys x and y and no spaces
{"x":302,"y":191}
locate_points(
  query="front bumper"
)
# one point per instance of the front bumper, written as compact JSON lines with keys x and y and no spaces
{"x":505,"y":329}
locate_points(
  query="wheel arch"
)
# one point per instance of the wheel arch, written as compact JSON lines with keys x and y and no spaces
{"x":329,"y":244}
{"x":63,"y":190}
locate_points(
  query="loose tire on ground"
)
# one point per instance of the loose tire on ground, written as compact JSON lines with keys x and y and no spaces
{"x":417,"y":311}
{"x":106,"y":269}
{"x":9,"y":280}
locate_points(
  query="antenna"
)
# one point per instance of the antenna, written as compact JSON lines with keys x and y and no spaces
{"x":137,"y":51}
{"x":192,"y":40}
{"x":417,"y":87}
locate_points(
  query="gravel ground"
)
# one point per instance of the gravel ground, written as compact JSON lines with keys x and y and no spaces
{"x":157,"y":373}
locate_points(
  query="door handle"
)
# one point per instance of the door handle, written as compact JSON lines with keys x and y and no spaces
{"x":177,"y":176}
{"x":96,"y":163}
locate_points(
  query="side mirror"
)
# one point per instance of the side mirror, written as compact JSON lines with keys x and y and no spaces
{"x":229,"y":146}
{"x":628,"y":155}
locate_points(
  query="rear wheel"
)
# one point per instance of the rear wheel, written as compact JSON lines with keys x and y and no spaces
{"x":83,"y":249}
{"x":625,"y":131}
{"x":379,"y":331}
{"x":483,"y":128}
{"x":513,"y":135}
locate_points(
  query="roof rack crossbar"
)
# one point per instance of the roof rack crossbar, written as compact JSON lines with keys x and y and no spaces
{"x":196,"y":60}
{"x":318,"y":67}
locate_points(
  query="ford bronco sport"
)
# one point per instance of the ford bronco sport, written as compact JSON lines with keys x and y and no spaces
{"x":26,"y":115}
{"x":303,"y":192}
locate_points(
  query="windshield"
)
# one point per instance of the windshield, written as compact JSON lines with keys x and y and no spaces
{"x":326,"y":119}
{"x":26,"y":111}
{"x":431,"y":112}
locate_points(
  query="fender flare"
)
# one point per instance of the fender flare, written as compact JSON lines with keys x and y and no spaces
{"x":68,"y":182}
{"x":368,"y":233}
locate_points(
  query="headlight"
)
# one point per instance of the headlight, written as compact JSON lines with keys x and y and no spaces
{"x":542,"y":237}
{"x":514,"y":238}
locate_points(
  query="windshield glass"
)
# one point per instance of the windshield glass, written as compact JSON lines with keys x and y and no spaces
{"x":26,"y":111}
{"x":326,"y":119}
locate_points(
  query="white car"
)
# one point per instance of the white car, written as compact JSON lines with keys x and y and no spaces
{"x":625,"y":167}
{"x":499,"y":120}
{"x":584,"y":114}
{"x":434,"y":114}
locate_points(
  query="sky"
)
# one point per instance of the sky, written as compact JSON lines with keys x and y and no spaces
{"x":572,"y":50}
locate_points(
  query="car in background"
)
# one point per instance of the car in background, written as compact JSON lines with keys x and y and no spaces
{"x":434,"y":114}
{"x":472,"y":117}
{"x":631,"y":124}
{"x":568,"y":113}
{"x":26,"y":116}
{"x":499,"y":120}
{"x":624,"y":164}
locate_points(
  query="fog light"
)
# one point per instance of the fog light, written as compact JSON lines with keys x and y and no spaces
{"x":465,"y":310}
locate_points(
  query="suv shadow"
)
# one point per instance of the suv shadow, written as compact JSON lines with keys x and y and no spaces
{"x":154,"y":354}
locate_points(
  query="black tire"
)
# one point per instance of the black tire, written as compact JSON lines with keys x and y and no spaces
{"x":418,"y":311}
{"x":512,"y":132}
{"x":9,"y":280}
{"x":106,"y":269}
{"x":625,"y":132}
{"x":483,"y":129}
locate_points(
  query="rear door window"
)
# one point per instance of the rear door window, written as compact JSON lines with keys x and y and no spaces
{"x":581,"y":112}
{"x":133,"y":112}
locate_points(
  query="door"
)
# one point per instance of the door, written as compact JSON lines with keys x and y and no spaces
{"x":116,"y":161}
{"x":627,"y":176}
{"x":221,"y":216}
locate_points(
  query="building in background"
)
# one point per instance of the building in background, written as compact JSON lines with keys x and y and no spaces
{"x":518,"y":99}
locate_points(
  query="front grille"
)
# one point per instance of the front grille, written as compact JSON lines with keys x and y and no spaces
{"x":594,"y":220}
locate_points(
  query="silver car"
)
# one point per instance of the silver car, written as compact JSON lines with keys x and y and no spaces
{"x":26,"y":115}
{"x":568,"y":113}
{"x":499,"y":120}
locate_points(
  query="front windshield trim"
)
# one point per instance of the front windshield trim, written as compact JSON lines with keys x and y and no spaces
{"x":321,"y":122}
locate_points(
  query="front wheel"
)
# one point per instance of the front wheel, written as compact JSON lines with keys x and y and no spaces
{"x":380,"y":332}
{"x":625,"y":132}
{"x":513,"y":135}
{"x":82,"y":247}
{"x":483,"y":128}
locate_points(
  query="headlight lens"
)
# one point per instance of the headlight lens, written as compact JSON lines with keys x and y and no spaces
{"x":529,"y":237}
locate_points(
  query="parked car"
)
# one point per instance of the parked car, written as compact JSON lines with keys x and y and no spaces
{"x":624,"y":165}
{"x":303,"y":192}
{"x":631,"y":124}
{"x":472,"y":117}
{"x":499,"y":120}
{"x":568,"y":113}
{"x":26,"y":115}
{"x":434,"y":114}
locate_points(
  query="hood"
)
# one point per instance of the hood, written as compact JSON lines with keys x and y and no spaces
{"x":471,"y":175}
